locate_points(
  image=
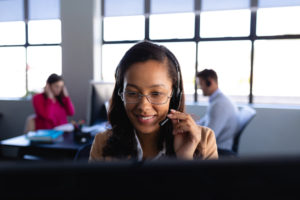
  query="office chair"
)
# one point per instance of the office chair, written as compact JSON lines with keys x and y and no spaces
{"x":30,"y":123}
{"x":83,"y":152}
{"x":246,"y":114}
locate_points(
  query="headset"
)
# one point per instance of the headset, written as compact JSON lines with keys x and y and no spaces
{"x":177,"y":94}
{"x":207,"y":82}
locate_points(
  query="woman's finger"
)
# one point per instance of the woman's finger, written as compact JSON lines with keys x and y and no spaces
{"x":178,"y":115}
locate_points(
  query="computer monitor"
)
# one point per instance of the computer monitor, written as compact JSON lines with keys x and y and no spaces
{"x":99,"y":95}
{"x":175,"y":179}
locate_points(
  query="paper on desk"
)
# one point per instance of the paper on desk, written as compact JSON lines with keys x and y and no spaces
{"x":65,"y":127}
{"x":96,"y":128}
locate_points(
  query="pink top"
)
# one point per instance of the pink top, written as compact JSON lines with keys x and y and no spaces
{"x":50,"y":114}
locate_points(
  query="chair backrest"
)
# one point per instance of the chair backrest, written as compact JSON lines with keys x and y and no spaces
{"x":83,"y":152}
{"x":246,"y":114}
{"x":30,"y":123}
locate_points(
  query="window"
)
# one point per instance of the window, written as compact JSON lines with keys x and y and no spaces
{"x":111,"y":57}
{"x":278,"y":21}
{"x":229,"y":23}
{"x":131,"y":27}
{"x":231,"y":61}
{"x":172,"y":26}
{"x":250,"y":44}
{"x":30,"y":45}
{"x":276,"y":74}
{"x":12,"y":71}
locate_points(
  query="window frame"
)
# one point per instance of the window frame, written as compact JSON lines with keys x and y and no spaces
{"x":197,"y":39}
{"x":27,"y":44}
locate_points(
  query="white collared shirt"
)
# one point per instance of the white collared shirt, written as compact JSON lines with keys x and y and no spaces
{"x":140,"y":150}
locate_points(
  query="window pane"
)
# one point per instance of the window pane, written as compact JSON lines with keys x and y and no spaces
{"x":185,"y":53}
{"x":44,"y":31}
{"x":171,"y":26}
{"x":42,"y":61}
{"x":227,"y":23}
{"x":12,"y":10}
{"x":12,"y":33}
{"x":231,"y":61}
{"x":171,"y":6}
{"x":276,"y":3}
{"x":111,"y":56}
{"x":124,"y":28}
{"x":123,"y":8}
{"x":278,"y":21}
{"x":12,"y":72}
{"x":276,"y":71}
{"x":224,"y":4}
{"x":39,"y":10}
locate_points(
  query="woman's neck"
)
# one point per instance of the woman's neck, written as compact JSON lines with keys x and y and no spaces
{"x":149,"y":144}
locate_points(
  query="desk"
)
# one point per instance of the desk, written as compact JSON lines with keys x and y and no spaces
{"x":20,"y":146}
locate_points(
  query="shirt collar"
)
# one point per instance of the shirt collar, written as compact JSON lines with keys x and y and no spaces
{"x":140,"y":150}
{"x":214,"y":95}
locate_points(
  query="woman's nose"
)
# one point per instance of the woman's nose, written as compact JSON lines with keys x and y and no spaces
{"x":144,"y":102}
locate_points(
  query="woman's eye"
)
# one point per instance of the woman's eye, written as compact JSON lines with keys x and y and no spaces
{"x":156,"y":94}
{"x":131,"y":93}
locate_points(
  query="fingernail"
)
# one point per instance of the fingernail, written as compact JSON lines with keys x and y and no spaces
{"x":169,"y":115}
{"x":173,"y":111}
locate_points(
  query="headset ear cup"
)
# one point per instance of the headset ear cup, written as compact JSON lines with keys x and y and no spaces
{"x":208,"y":83}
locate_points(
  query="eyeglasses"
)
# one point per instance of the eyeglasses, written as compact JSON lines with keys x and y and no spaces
{"x":156,"y":98}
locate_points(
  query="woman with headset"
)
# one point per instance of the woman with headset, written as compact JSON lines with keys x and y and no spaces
{"x":147,"y":112}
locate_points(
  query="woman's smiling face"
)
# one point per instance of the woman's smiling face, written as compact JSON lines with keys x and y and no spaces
{"x":149,"y":77}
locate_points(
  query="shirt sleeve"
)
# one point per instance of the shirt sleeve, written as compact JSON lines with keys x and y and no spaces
{"x":211,"y":150}
{"x":43,"y":106}
{"x":69,"y":107}
{"x":207,"y":148}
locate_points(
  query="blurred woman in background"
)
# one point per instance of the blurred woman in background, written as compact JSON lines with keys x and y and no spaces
{"x":53,"y":105}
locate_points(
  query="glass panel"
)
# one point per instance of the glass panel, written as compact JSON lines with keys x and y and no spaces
{"x":12,"y":33}
{"x":224,"y":4}
{"x":42,"y":61}
{"x":276,"y":71}
{"x":231,"y":61}
{"x":12,"y":72}
{"x":111,"y":56}
{"x":225,"y":23}
{"x":124,"y":28}
{"x":12,"y":10}
{"x":41,"y":10}
{"x":123,"y":8}
{"x":278,"y":21}
{"x":44,"y":31}
{"x":185,"y":53}
{"x":171,"y":6}
{"x":276,"y":3}
{"x":171,"y":26}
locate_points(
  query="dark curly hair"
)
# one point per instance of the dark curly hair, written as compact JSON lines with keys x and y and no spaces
{"x":122,"y":142}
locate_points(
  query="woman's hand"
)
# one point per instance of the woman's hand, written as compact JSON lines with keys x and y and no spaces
{"x":187,"y":134}
{"x":49,"y":93}
{"x":65,"y":92}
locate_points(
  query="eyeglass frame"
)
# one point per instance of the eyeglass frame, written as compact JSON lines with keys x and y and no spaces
{"x":121,"y":94}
